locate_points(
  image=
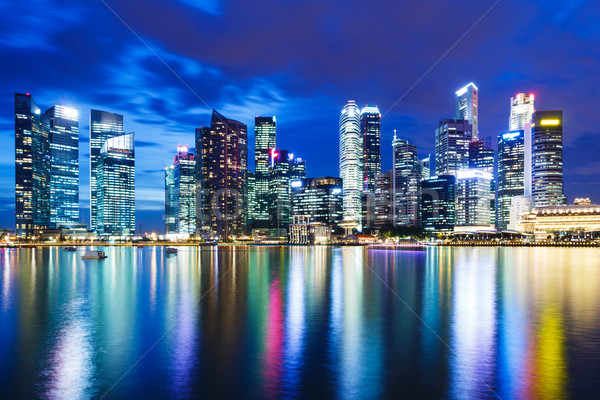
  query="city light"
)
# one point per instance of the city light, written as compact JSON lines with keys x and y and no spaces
{"x":550,"y":122}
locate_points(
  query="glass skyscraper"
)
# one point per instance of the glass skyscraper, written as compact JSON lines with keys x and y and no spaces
{"x":511,"y":173}
{"x":265,"y":139}
{"x":170,"y":200}
{"x":184,"y":180}
{"x":115,"y":187}
{"x":547,"y":159}
{"x":482,"y":157}
{"x":64,"y":171}
{"x":221,"y":178}
{"x":473,"y":198}
{"x":370,"y":125}
{"x":521,"y":111}
{"x":351,"y":162}
{"x":32,"y":166}
{"x":467,"y":107}
{"x":103,"y":125}
{"x":384,"y":190}
{"x":438,"y":203}
{"x":407,"y":183}
{"x":320,"y":198}
{"x":282,"y":172}
{"x":452,"y":139}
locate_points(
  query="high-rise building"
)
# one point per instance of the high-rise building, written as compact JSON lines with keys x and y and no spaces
{"x":425,"y":167}
{"x":467,"y":107}
{"x":473,"y":198}
{"x":407,"y":183}
{"x":370,"y":125}
{"x":438,"y":203}
{"x":251,"y":199}
{"x":265,"y":139}
{"x":319,"y":198}
{"x":511,"y":173}
{"x":64,"y":160}
{"x":221,"y":178}
{"x":452,"y":139}
{"x":115,"y":187}
{"x":521,"y":111}
{"x":384,"y":190}
{"x":351,"y":162}
{"x":482,"y":157}
{"x":547,"y":159}
{"x":171,"y":210}
{"x":103,"y":125}
{"x":184,"y":176}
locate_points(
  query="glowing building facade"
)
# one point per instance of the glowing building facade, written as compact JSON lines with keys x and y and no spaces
{"x":351,"y":162}
{"x":521,"y":111}
{"x":472,"y":198}
{"x":170,"y":200}
{"x":265,"y":139}
{"x":180,"y":181}
{"x":319,"y":198}
{"x":438,"y":203}
{"x":511,"y":173}
{"x":467,"y":107}
{"x":452,"y":138}
{"x":370,"y":125}
{"x":407,"y":183}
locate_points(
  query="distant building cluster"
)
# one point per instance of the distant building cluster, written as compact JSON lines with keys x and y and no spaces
{"x":466,"y":187}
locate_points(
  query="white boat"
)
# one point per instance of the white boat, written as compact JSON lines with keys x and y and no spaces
{"x":170,"y":250}
{"x":94,"y":255}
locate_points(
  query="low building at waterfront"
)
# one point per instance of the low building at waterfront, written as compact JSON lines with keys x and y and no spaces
{"x":545,"y":221}
{"x":303,"y":231}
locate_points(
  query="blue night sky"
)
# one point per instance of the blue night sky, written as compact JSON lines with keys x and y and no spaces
{"x":301,"y":61}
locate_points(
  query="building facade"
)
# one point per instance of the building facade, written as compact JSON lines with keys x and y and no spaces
{"x":547,"y":159}
{"x":521,"y":111}
{"x":370,"y":125}
{"x":482,"y":157}
{"x":319,"y":198}
{"x":184,"y":177}
{"x":221,"y":178}
{"x":511,"y":173}
{"x":265,"y":139}
{"x":115,"y":188}
{"x":472,"y":199}
{"x":452,"y":138}
{"x":103,"y":125}
{"x":384,"y":190}
{"x":467,"y":107}
{"x":438,"y":203}
{"x":171,"y":211}
{"x":351,"y":162}
{"x":407,"y":183}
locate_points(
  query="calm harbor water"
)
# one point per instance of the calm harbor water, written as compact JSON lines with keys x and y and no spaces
{"x":300,"y":322}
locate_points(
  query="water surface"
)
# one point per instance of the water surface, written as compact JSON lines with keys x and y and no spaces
{"x":300,"y":322}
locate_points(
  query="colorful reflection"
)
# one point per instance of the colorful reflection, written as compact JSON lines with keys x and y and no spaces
{"x":300,"y":322}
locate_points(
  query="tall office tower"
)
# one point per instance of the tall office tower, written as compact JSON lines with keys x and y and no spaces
{"x":511,"y":173}
{"x":251,"y":212}
{"x":425,"y":167}
{"x":185,"y":190}
{"x":482,"y":157}
{"x":222,"y":177}
{"x":467,"y":102}
{"x":298,"y":167}
{"x":64,"y":160}
{"x":265,"y":139}
{"x":171,"y":210}
{"x":103,"y":125}
{"x":407,"y":183}
{"x":384,"y":190}
{"x":547,"y":159}
{"x":370,"y":126}
{"x":438,"y":203}
{"x":452,"y":139}
{"x":472,"y":198}
{"x":280,"y":174}
{"x":351,"y":162}
{"x":521,"y":111}
{"x":32,"y":166}
{"x":320,"y":198}
{"x":115,"y":187}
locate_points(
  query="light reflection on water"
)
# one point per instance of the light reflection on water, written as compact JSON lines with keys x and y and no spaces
{"x":300,"y":322}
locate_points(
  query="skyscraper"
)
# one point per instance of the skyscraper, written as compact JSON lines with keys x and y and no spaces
{"x":184,"y":177}
{"x":384,"y":190}
{"x":265,"y":139}
{"x":370,"y":125}
{"x":407,"y":183}
{"x":438,"y":203}
{"x":452,"y":139}
{"x":103,"y":125}
{"x":170,"y":200}
{"x":547,"y":159}
{"x":425,"y":167}
{"x":467,"y":107}
{"x":482,"y":157}
{"x":32,"y":166}
{"x":472,"y":199}
{"x":521,"y":111}
{"x":320,"y":198}
{"x":115,"y":187}
{"x":251,"y":199}
{"x":221,"y":177}
{"x":351,"y":162}
{"x":64,"y":160}
{"x":511,"y":173}
{"x":284,"y":169}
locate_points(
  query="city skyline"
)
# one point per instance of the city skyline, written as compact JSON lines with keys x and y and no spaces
{"x":159,"y":130}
